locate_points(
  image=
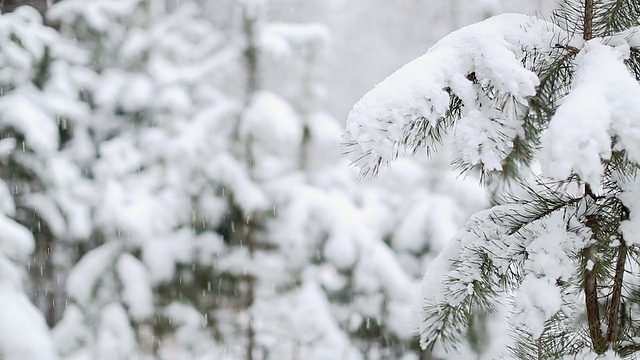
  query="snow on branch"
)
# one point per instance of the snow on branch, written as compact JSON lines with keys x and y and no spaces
{"x":599,"y":107}
{"x":474,"y":81}
{"x":523,"y":246}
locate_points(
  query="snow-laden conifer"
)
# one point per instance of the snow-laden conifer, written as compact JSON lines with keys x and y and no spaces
{"x":551,"y":107}
{"x":153,"y":111}
{"x":40,"y":107}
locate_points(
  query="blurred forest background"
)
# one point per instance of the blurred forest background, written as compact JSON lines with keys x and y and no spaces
{"x":396,"y":32}
{"x":173,"y":185}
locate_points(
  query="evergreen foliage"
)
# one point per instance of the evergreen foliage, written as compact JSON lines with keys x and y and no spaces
{"x":187,"y":198}
{"x":41,"y":188}
{"x":225,"y":222}
{"x":554,"y":116}
{"x":40,"y":108}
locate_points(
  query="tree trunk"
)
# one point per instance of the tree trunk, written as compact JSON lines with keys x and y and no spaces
{"x":251,"y":16}
{"x":40,"y":5}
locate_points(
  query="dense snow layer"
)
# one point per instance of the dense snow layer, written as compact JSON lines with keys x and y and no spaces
{"x":274,"y":133}
{"x":90,"y":270}
{"x":459,"y":274}
{"x":23,"y":334}
{"x":484,"y":72}
{"x":482,"y":65}
{"x":16,"y":242}
{"x":630,"y":228}
{"x":136,"y":286}
{"x":601,"y":105}
{"x":336,"y":262}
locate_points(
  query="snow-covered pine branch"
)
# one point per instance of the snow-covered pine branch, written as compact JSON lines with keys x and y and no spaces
{"x":513,"y":247}
{"x":515,"y":92}
{"x":476,"y":83}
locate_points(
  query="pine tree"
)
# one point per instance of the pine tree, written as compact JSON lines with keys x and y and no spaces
{"x":153,"y":112}
{"x":189,"y":189}
{"x":355,"y":250}
{"x":42,"y":189}
{"x":40,"y":107}
{"x":24,"y":332}
{"x":549,"y":107}
{"x":225,"y":223}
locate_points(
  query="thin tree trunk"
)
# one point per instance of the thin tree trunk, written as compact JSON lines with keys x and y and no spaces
{"x":251,"y":17}
{"x":590,"y":283}
{"x":587,"y":31}
{"x":616,"y":296}
{"x":591,"y":302}
{"x":250,"y":298}
{"x":10,"y":5}
{"x":250,"y":20}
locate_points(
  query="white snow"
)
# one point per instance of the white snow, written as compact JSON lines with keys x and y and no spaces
{"x":546,"y":248}
{"x":600,"y":105}
{"x":116,"y":339}
{"x":630,"y":229}
{"x":21,"y":113}
{"x":89,"y":271}
{"x":136,"y":287}
{"x":167,"y":153}
{"x":310,"y":330}
{"x":536,"y":302}
{"x":396,"y":116}
{"x":70,"y":332}
{"x":47,"y":210}
{"x":274,"y":132}
{"x":23,"y":334}
{"x":137,"y":93}
{"x":159,"y":257}
{"x":16,"y":242}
